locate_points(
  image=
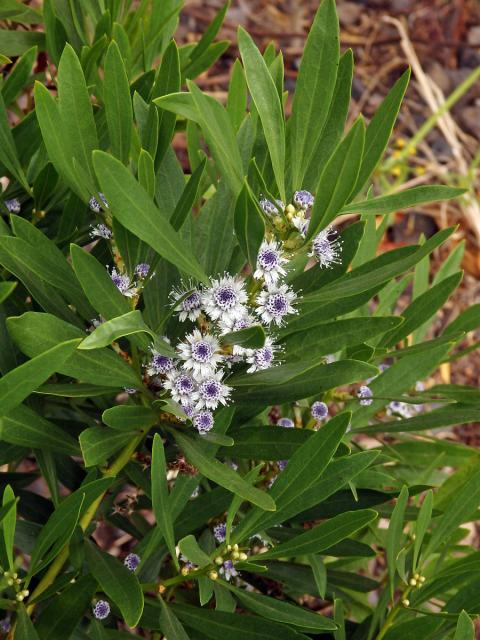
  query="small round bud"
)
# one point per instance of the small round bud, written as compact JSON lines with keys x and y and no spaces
{"x":416,"y":576}
{"x":229,"y":547}
{"x":161,"y":588}
{"x":235,"y":547}
{"x":10,"y":582}
{"x":6,"y":574}
{"x":185,"y":571}
{"x":290,"y":209}
{"x":20,"y":597}
{"x":219,"y":560}
{"x":15,"y":575}
{"x":235,"y":555}
{"x":243,"y":557}
{"x":422,"y":579}
{"x":213,"y":575}
{"x":412,"y":582}
{"x":406,"y":602}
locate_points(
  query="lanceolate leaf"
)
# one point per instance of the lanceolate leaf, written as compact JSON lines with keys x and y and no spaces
{"x":221,"y":473}
{"x":111,"y":330}
{"x":337,"y":179}
{"x":134,"y":209}
{"x":314,"y":91}
{"x":16,"y":385}
{"x":267,"y":103}
{"x":118,"y":104}
{"x":249,"y":225}
{"x":160,"y":501}
{"x":120,"y":584}
{"x":322,"y":536}
{"x":169,"y":623}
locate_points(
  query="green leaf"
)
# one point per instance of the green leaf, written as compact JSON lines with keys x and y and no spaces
{"x":119,"y":584}
{"x":322,"y":536}
{"x":64,"y":612}
{"x":291,"y":382}
{"x":220,"y":136}
{"x":221,"y":473}
{"x":314,"y":455}
{"x":54,"y":137}
{"x":97,"y":284}
{"x":365,"y":278}
{"x":72,"y":390}
{"x":236,"y":503}
{"x":251,"y":338}
{"x":16,"y":385}
{"x":272,"y":609}
{"x":146,"y":173}
{"x":421,"y":309}
{"x":331,"y":337}
{"x":184,"y":206}
{"x":267,"y":443}
{"x":8,"y":151}
{"x":160,"y":497}
{"x":169,"y":623}
{"x":126,"y":325}
{"x":9,"y":524}
{"x":6,"y":289}
{"x":442,"y":417}
{"x":168,"y":80}
{"x":56,"y":533}
{"x":267,"y":102}
{"x":129,"y":417}
{"x":314,"y":91}
{"x":181,"y":103}
{"x":216,"y":625}
{"x":130,"y":204}
{"x":379,"y":131}
{"x":337,"y":179}
{"x":423,"y":521}
{"x":402,"y":200}
{"x":466,"y":501}
{"x":19,"y":76}
{"x":191,"y":550}
{"x":118,"y":104}
{"x":465,"y":628}
{"x":249,"y":225}
{"x":24,"y":629}
{"x":98,"y":444}
{"x":25,"y":428}
{"x":334,"y":124}
{"x":319,"y":573}
{"x":76,"y":113}
{"x":394,"y":536}
{"x":339,"y":617}
{"x":35,"y":333}
{"x":237,"y":95}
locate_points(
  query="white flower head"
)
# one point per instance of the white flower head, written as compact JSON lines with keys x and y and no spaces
{"x":123,"y":283}
{"x":225,"y":297}
{"x":262,"y":358}
{"x":181,"y":385}
{"x":327,"y":248}
{"x":270,"y":261}
{"x":275,"y":303}
{"x":227,"y":570}
{"x":212,"y":392}
{"x":200,"y":353}
{"x":301,"y":223}
{"x":303,"y":199}
{"x":95,"y":205}
{"x":188,"y":301}
{"x":203,"y":422}
{"x":13,"y":205}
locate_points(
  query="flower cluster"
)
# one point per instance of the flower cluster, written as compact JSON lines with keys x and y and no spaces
{"x":326,"y":247}
{"x":127,"y":287}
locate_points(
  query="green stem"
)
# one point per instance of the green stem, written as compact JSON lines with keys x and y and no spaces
{"x":394,"y":611}
{"x":111,"y":472}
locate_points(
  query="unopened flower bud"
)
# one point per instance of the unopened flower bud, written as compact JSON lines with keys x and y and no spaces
{"x":412,"y":582}
{"x":184,"y":571}
{"x":20,"y":597}
{"x":422,"y":579}
{"x":213,"y":575}
{"x":219,"y":560}
{"x":290,"y":209}
{"x":406,"y":602}
{"x":243,"y":557}
{"x":235,"y":555}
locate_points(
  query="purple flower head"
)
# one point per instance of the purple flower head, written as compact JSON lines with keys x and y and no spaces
{"x":327,"y":248}
{"x":212,"y":392}
{"x":129,"y":390}
{"x":142,"y":270}
{"x":227,"y":570}
{"x":224,"y":298}
{"x":286,"y":422}
{"x":181,"y":386}
{"x":270,"y":208}
{"x":365,"y":394}
{"x":94,"y":204}
{"x":275,"y":303}
{"x":270,"y":261}
{"x":132,"y":561}
{"x":262,"y":358}
{"x":13,"y":205}
{"x":200,"y":353}
{"x":303,"y":199}
{"x":123,"y":283}
{"x":5,"y":625}
{"x":319,"y":410}
{"x":203,"y":422}
{"x":159,"y":364}
{"x":101,"y":610}
{"x":220,"y":532}
{"x":100,"y":231}
{"x":282,"y":464}
{"x":187,"y":306}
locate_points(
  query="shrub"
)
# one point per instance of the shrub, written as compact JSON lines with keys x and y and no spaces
{"x":191,"y":361}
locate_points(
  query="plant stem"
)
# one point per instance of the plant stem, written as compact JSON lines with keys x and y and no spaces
{"x":112,"y":471}
{"x":392,"y":615}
